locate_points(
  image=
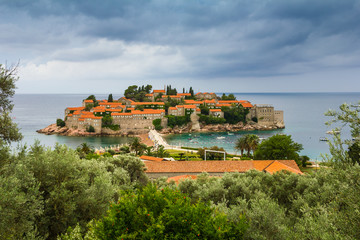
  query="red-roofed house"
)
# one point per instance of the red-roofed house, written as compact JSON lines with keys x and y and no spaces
{"x":217,"y":168}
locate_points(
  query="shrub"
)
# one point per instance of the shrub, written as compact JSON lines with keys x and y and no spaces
{"x":166,"y":214}
{"x":211,"y":120}
{"x":177,"y":120}
{"x":114,"y":127}
{"x":60,"y":123}
{"x":157,"y":124}
{"x":90,"y":129}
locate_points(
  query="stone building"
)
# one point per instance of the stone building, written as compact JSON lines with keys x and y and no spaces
{"x":205,"y":95}
{"x":216,"y":113}
{"x":266,"y":115}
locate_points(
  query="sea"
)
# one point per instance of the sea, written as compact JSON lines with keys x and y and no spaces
{"x":303,"y":115}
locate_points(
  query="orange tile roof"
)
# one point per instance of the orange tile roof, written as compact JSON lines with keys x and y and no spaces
{"x":111,"y":104}
{"x":177,"y":179}
{"x":99,"y":110}
{"x":228,"y":101}
{"x":184,"y":94}
{"x":130,"y":109}
{"x":221,"y":166}
{"x":149,"y":158}
{"x":88,"y":101}
{"x":89,"y":116}
{"x":114,"y":110}
{"x":223,"y":105}
{"x":149,"y":95}
{"x":158,"y":91}
{"x":247,"y":105}
{"x":172,"y":108}
{"x":75,"y":108}
{"x":193,"y":102}
{"x":121,"y":114}
{"x":76,"y":112}
{"x":215,"y":110}
{"x":198,"y":110}
{"x":210,"y":101}
{"x":148,"y":111}
{"x":70,"y":115}
{"x":148,"y":103}
{"x":190,"y":106}
{"x":278,"y":166}
{"x":179,"y":106}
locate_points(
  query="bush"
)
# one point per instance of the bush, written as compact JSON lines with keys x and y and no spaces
{"x":90,"y":129}
{"x":177,"y":120}
{"x":157,"y":124}
{"x":114,"y":127}
{"x":212,"y":155}
{"x":60,"y":123}
{"x":166,"y":214}
{"x":211,"y":119}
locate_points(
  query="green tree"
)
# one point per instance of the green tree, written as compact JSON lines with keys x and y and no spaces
{"x":165,"y":214}
{"x":8,"y":130}
{"x":348,"y":116}
{"x":137,"y":146}
{"x":278,"y":147}
{"x":110,"y":98}
{"x":354,"y":152}
{"x":107,"y":120}
{"x":241,"y":144}
{"x":60,"y":122}
{"x":161,"y":152}
{"x":252,"y":142}
{"x":91,"y":97}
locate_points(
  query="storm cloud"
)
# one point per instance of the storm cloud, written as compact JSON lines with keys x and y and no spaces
{"x":245,"y":45}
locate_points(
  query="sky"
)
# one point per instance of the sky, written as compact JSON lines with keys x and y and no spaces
{"x":97,"y":46}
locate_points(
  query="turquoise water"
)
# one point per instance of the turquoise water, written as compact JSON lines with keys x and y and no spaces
{"x":35,"y":111}
{"x":303,"y":113}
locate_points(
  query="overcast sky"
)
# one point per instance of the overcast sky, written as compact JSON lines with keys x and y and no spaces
{"x":98,"y":46}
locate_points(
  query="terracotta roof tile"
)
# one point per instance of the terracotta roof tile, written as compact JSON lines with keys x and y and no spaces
{"x":148,"y":103}
{"x":150,"y":158}
{"x":177,"y":179}
{"x":190,"y":106}
{"x":121,"y":114}
{"x":158,"y":91}
{"x":215,"y":110}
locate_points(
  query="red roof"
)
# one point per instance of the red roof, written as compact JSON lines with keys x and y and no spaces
{"x":193,"y":102}
{"x":121,"y":114}
{"x":215,"y":110}
{"x":158,"y":91}
{"x":88,"y":101}
{"x":177,"y":179}
{"x":148,"y":111}
{"x":222,"y":166}
{"x":228,"y":101}
{"x":148,"y":103}
{"x":172,"y":108}
{"x":75,"y":108}
{"x":149,"y":158}
{"x":184,"y":94}
{"x":247,"y":105}
{"x":190,"y":106}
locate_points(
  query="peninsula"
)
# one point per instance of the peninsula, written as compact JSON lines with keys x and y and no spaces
{"x":167,"y":111}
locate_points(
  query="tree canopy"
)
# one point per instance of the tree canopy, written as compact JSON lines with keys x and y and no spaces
{"x":278,"y":147}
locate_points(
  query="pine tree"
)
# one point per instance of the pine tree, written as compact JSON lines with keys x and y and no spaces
{"x":110,"y":98}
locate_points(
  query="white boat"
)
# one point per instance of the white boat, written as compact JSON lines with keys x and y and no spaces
{"x":229,"y":133}
{"x":333,"y":132}
{"x":220,"y":137}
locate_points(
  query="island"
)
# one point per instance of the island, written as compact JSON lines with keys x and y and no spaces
{"x":166,"y":111}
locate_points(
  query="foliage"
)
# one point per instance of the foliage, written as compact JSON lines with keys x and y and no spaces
{"x":229,"y":97}
{"x":157,"y":124}
{"x":191,"y":91}
{"x":107,"y":120}
{"x":161,"y":152}
{"x":278,"y":147}
{"x":348,"y":116}
{"x":165,"y":214}
{"x":114,"y":127}
{"x":254,"y":119}
{"x":137,"y":146}
{"x":247,"y":142}
{"x":137,"y":93}
{"x":45,"y":191}
{"x":170,"y":90}
{"x":139,"y":107}
{"x":177,"y":120}
{"x":110,"y":98}
{"x":235,"y":114}
{"x":322,"y":205}
{"x":354,"y":152}
{"x":60,"y":122}
{"x":211,"y":155}
{"x":89,"y":106}
{"x":204,"y":109}
{"x":91,"y":97}
{"x":211,"y":119}
{"x":8,"y":130}
{"x":90,"y":129}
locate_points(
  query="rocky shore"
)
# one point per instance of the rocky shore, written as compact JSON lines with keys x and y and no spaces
{"x":65,"y":131}
{"x":220,"y":128}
